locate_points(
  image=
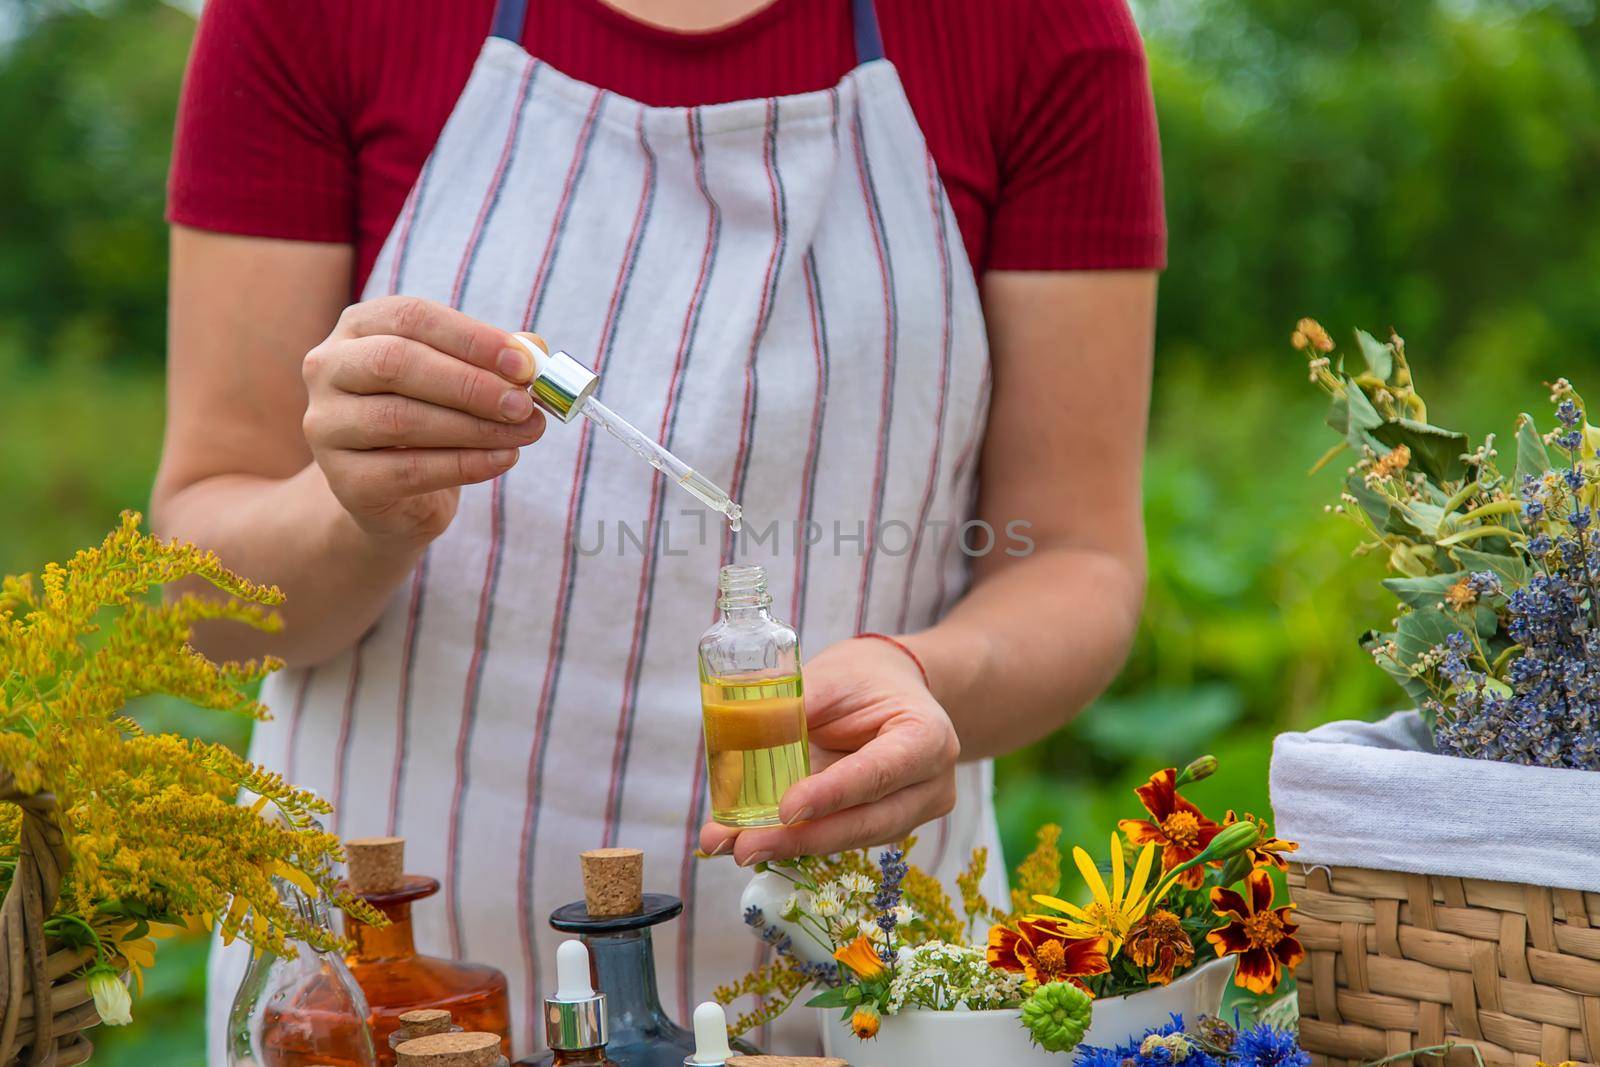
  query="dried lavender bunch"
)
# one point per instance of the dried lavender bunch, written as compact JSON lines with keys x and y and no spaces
{"x":1496,"y":635}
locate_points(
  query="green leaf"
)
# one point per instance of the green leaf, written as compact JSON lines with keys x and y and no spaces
{"x":829,"y":998}
{"x":1435,"y":451}
{"x":1379,"y":356}
{"x":1512,"y":570}
{"x":1532,"y":459}
{"x":1338,"y":417}
{"x":1380,"y":510}
{"x":1423,"y":628}
{"x":1363,"y":416}
{"x":1421,"y":592}
{"x":1414,"y":688}
{"x":1429,"y":518}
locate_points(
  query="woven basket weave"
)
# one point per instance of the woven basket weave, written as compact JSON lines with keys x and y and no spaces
{"x":29,"y":964}
{"x":1401,"y":961}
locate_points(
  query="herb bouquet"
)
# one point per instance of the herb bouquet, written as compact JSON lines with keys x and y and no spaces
{"x":1450,"y":863}
{"x":1182,"y":902}
{"x":110,"y":837}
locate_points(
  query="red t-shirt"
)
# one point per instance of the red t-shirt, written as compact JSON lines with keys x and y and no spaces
{"x":310,"y":119}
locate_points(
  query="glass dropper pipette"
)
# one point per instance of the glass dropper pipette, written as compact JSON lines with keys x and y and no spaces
{"x":565,"y":388}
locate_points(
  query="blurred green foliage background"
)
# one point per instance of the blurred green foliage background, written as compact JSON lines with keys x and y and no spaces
{"x":1432,"y":164}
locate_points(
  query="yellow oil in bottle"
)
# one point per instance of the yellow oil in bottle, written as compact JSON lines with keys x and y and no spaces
{"x":755,"y":745}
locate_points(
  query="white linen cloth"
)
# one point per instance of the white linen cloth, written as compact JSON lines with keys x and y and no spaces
{"x":1377,"y":795}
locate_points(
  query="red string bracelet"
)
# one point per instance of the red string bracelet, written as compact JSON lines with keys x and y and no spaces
{"x":902,"y":647}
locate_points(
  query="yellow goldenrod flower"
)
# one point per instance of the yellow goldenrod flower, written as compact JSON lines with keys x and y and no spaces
{"x":1113,"y":910}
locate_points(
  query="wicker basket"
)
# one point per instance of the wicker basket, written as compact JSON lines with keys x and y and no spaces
{"x":29,"y":964}
{"x":1402,"y":961}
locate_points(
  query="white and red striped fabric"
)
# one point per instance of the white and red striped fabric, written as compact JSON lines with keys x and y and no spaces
{"x":777,"y":289}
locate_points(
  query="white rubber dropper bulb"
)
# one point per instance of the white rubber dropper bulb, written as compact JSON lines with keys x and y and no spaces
{"x":710,"y":1036}
{"x":572,"y":972}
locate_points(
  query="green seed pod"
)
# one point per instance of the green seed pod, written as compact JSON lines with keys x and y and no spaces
{"x":1057,"y":1015}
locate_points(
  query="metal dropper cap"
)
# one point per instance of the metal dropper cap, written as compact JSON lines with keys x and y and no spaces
{"x":560,"y":383}
{"x":575,"y":1015}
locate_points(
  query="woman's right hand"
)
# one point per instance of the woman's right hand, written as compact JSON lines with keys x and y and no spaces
{"x":409,"y":401}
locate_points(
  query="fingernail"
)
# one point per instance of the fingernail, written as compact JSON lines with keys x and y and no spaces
{"x":755,"y":858}
{"x":515,"y":405}
{"x":515,"y":363}
{"x":802,"y":815}
{"x":503,"y":457}
{"x":723,"y":846}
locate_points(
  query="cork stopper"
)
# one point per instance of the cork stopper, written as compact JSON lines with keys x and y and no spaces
{"x":613,"y":881}
{"x":376,"y":864}
{"x":450,"y":1050}
{"x":421,"y":1022}
{"x":786,"y":1061}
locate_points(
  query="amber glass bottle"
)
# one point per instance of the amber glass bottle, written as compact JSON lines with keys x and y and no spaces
{"x":394,"y":976}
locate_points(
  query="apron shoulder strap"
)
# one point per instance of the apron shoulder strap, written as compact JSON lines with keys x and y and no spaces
{"x":869,"y":42}
{"x":508,"y":18}
{"x":510,"y":14}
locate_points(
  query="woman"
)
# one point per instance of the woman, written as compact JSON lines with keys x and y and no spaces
{"x":875,"y":300}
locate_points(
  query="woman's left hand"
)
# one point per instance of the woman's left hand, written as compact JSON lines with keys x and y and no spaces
{"x":883,"y":760}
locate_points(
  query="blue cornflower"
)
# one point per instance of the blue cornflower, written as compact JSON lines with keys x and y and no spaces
{"x":1266,"y":1046}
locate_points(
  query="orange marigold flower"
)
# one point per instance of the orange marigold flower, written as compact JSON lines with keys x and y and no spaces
{"x":1044,"y":950}
{"x":865,"y":1022}
{"x":1180,"y":828}
{"x":1159,"y":944}
{"x":861,"y":956}
{"x":1259,"y":934}
{"x":1269,"y":851}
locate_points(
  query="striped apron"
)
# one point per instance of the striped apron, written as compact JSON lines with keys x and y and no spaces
{"x":777,"y":289}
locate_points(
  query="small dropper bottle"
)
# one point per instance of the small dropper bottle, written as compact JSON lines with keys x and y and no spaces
{"x":575,"y":1015}
{"x":752,"y":701}
{"x":710,"y":1037}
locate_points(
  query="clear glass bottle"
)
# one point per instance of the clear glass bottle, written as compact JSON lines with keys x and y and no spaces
{"x":302,"y":1011}
{"x":751,"y":700}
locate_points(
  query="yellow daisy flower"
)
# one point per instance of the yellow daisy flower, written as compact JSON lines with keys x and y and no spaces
{"x":1113,"y":911}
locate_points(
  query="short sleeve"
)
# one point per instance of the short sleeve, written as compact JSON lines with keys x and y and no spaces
{"x":1080,"y":159}
{"x":261,"y":145}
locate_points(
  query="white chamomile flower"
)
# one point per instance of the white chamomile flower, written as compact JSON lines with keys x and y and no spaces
{"x":826,"y":903}
{"x":857,"y":884}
